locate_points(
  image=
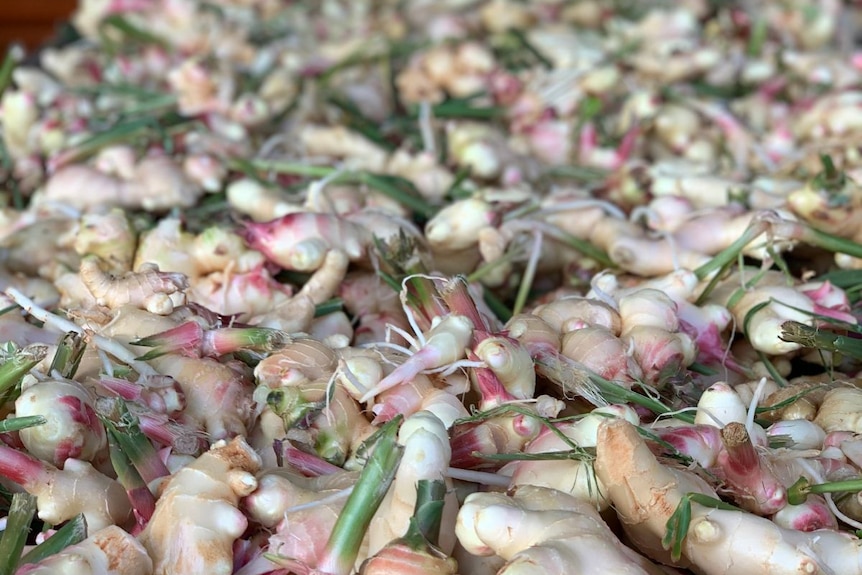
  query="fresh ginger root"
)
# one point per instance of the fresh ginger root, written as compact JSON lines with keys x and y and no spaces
{"x":426,"y":455}
{"x":279,"y":490}
{"x":217,"y":397}
{"x":646,"y":493}
{"x":832,"y":202}
{"x":148,"y":288}
{"x":542,"y":530}
{"x":196,"y":520}
{"x":571,"y":476}
{"x":763,"y":327}
{"x":61,"y":494}
{"x":110,"y":551}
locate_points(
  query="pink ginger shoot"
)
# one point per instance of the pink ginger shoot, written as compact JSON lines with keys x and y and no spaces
{"x":445,"y":345}
{"x":63,"y":494}
{"x":811,"y":515}
{"x":160,"y":393}
{"x":751,"y":483}
{"x":191,"y":339}
{"x":299,"y":241}
{"x":700,"y":442}
{"x":308,"y":464}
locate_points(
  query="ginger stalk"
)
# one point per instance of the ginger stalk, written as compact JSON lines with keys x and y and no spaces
{"x":426,"y":457}
{"x":345,"y":538}
{"x":416,"y":552}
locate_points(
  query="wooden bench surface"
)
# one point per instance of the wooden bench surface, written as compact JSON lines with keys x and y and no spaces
{"x":31,"y":22}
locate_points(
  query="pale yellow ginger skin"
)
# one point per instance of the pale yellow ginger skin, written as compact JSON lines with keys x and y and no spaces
{"x":601,"y":351}
{"x":340,"y":142}
{"x":426,"y":456}
{"x":43,"y":247}
{"x":218,"y":249}
{"x":167,"y":246}
{"x":109,"y":236}
{"x":704,"y":191}
{"x":79,"y":488}
{"x":454,"y":69}
{"x":572,"y":476}
{"x":841,"y":410}
{"x":20,"y":113}
{"x":456,"y":227}
{"x":719,"y":405}
{"x":262,"y":204}
{"x":243,"y":294}
{"x":302,"y":359}
{"x":645,"y":493}
{"x":268,"y":428}
{"x":625,"y":242}
{"x":278,"y":490}
{"x":216,"y":396}
{"x":648,"y":307}
{"x":158,"y":184}
{"x":64,"y":432}
{"x":511,"y":363}
{"x":471,"y":145}
{"x":147,"y":288}
{"x":572,"y":312}
{"x":196,"y":520}
{"x":110,"y":551}
{"x":837,"y":213}
{"x":764,"y":325}
{"x":542,"y":530}
{"x":295,"y":314}
{"x":430,"y":178}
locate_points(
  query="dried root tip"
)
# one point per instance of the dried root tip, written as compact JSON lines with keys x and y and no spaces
{"x":754,"y":486}
{"x":237,"y":454}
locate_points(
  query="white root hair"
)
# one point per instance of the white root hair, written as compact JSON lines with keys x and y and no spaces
{"x":62,"y":325}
